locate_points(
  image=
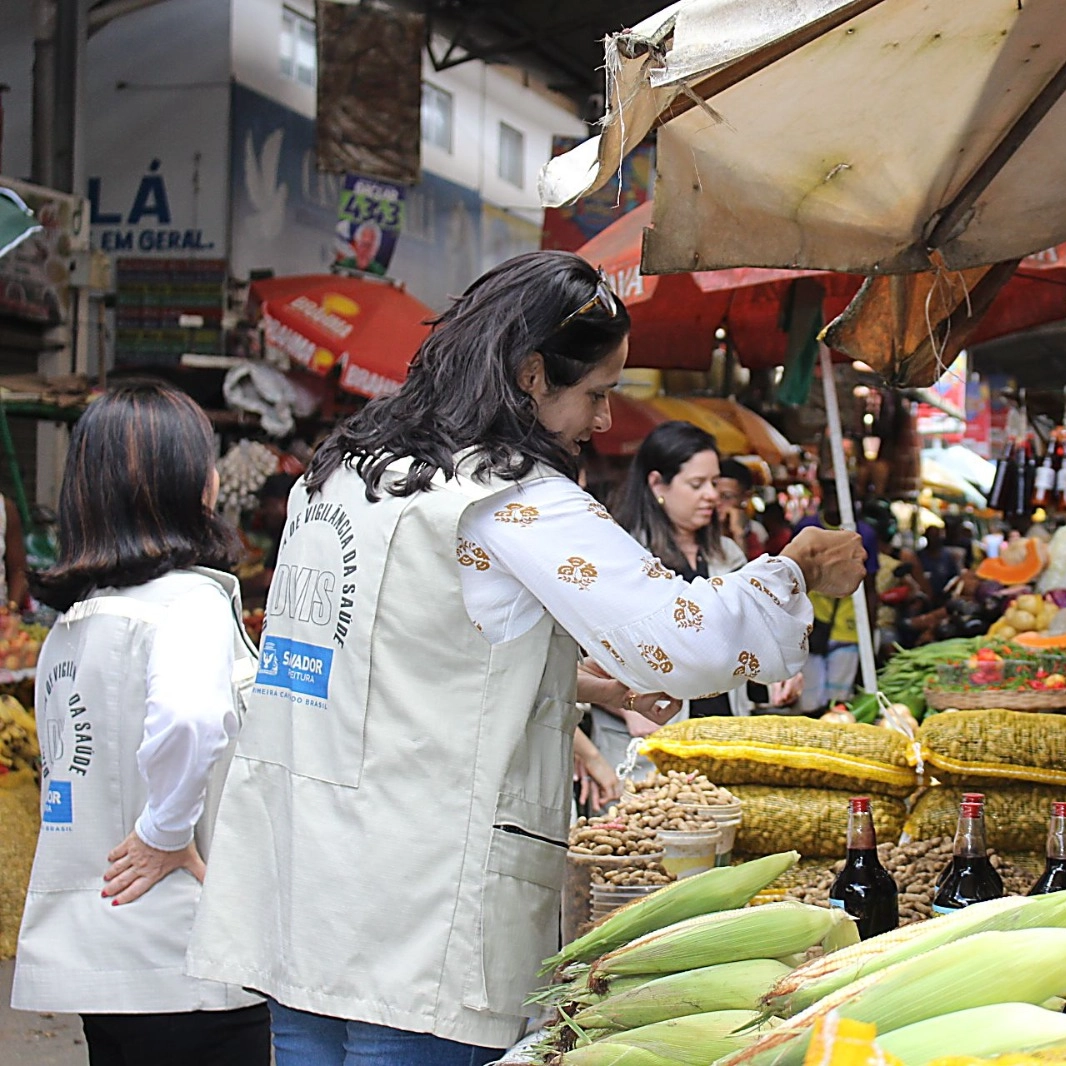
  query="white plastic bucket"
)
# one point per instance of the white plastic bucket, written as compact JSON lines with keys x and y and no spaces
{"x":727,"y":817}
{"x":691,"y":852}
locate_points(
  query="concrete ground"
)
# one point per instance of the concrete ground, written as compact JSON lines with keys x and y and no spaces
{"x":31,"y":1039}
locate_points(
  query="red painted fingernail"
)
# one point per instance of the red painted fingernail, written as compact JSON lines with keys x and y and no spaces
{"x":114,"y":903}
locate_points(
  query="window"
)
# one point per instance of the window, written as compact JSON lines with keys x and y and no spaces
{"x":436,"y":117}
{"x":512,"y":155}
{"x":298,"y":59}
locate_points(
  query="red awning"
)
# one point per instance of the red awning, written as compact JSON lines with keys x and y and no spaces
{"x":369,"y":328}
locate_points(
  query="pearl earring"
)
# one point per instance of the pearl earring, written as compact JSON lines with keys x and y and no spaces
{"x":661,"y":501}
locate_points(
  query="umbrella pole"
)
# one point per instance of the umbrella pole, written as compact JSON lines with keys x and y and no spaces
{"x":867,"y":665}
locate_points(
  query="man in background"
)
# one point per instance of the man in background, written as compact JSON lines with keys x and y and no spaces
{"x":829,"y":675}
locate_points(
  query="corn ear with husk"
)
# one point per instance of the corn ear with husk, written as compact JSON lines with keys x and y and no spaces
{"x":720,"y":889}
{"x":1024,"y":965}
{"x":600,"y":1054}
{"x":727,"y":986}
{"x":979,"y":1032}
{"x":697,"y":1039}
{"x":809,"y":983}
{"x":731,"y":936}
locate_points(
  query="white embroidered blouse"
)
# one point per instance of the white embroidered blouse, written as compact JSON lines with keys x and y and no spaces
{"x":550,"y":546}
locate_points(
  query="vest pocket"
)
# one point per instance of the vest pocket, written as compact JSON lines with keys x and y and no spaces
{"x":518,"y":925}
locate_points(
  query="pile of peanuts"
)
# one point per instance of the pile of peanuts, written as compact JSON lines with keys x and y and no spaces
{"x":614,"y":833}
{"x":661,"y":799}
{"x":654,"y":873}
{"x":915,"y":867}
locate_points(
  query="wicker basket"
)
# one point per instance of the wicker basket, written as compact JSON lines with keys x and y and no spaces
{"x":987,"y":699}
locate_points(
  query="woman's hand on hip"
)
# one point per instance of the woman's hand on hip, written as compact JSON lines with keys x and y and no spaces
{"x":833,"y":561}
{"x":137,"y":866}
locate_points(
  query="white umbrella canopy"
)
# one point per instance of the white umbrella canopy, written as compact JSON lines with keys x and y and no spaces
{"x":848,"y":135}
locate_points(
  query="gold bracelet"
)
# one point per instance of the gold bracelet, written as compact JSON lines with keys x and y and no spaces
{"x":629,"y":703}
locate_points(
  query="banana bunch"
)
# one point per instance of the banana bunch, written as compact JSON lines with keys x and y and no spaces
{"x":18,"y":735}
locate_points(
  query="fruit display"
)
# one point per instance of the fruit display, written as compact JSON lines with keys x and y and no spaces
{"x":19,"y":644}
{"x":1028,"y":613}
{"x":19,"y":749}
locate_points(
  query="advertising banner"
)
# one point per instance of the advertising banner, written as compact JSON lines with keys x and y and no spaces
{"x":369,"y":222}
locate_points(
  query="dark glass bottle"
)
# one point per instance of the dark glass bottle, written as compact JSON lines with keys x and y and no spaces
{"x":971,"y":878}
{"x":1059,"y":499}
{"x":1002,"y":491}
{"x":967,"y":797}
{"x":864,"y":888}
{"x":1025,"y":466}
{"x":1053,"y":879}
{"x":1044,"y":481}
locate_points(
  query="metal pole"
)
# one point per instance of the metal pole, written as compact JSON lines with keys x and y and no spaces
{"x":847,"y":517}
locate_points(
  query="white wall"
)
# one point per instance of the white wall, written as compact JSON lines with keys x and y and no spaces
{"x":256,"y":33}
{"x":173,"y":112}
{"x":483,"y":95}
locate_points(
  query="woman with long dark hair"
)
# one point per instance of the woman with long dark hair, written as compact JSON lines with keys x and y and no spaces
{"x":136,"y":708}
{"x":668,"y":502}
{"x":393,"y":827}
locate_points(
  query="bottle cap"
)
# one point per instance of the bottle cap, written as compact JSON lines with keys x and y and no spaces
{"x":860,"y":804}
{"x":1058,"y":810}
{"x":971,"y":810}
{"x":973,"y":797}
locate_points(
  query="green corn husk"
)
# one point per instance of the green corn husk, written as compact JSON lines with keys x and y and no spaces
{"x":980,"y":1032}
{"x":731,"y":936}
{"x":720,"y":889}
{"x":809,"y":983}
{"x":600,"y":1054}
{"x":697,"y":1039}
{"x":1024,"y":965}
{"x":727,"y":986}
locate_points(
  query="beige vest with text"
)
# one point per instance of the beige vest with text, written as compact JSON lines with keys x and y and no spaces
{"x":391,"y":839}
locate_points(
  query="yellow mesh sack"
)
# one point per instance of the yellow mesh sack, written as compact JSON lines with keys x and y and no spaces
{"x":813,"y":821}
{"x":782,"y":750}
{"x":990,"y":747}
{"x":20,"y":820}
{"x":1016,"y":816}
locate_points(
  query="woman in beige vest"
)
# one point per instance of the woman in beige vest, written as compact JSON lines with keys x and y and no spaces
{"x":392,"y":832}
{"x":137,"y":704}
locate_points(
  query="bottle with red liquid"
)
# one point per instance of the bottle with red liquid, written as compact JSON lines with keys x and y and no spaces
{"x":864,"y":888}
{"x":1053,"y":879}
{"x":967,"y":797}
{"x":971,"y":877}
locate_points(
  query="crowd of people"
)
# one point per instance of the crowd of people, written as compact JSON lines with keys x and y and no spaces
{"x":352,"y":850}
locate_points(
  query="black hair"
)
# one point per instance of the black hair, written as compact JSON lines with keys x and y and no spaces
{"x":277,"y":487}
{"x":774,"y":512}
{"x":131,"y":507}
{"x":462,"y":388}
{"x":665,"y":449}
{"x":739,"y":473}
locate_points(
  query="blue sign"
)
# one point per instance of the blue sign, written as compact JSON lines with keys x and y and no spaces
{"x":295,"y":666}
{"x":58,"y":804}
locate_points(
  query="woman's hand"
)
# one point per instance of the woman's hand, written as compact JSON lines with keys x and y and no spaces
{"x":599,"y":783}
{"x":833,"y":561}
{"x":785,"y":693}
{"x":136,"y":867}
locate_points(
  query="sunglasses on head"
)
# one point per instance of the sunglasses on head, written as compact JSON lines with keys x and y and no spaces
{"x":603,"y":298}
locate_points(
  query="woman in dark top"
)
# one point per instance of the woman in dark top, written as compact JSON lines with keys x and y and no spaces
{"x":668,"y":503}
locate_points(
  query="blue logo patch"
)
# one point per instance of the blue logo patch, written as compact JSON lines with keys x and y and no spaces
{"x":291,"y":664}
{"x":58,"y":804}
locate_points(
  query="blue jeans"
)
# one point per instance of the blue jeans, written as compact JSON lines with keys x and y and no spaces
{"x":302,"y":1039}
